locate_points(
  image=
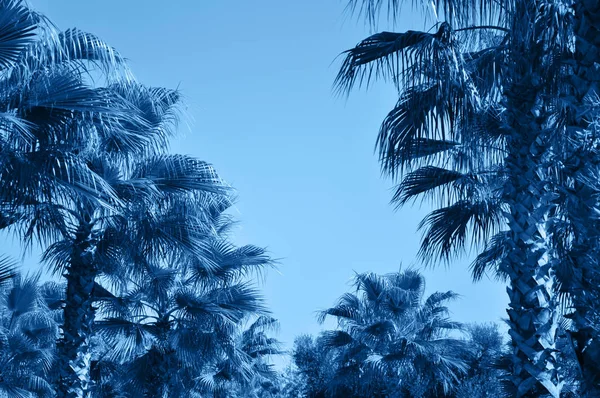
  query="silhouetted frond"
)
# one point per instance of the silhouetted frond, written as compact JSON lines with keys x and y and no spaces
{"x":447,"y":228}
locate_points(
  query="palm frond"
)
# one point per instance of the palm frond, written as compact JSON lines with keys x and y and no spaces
{"x":231,"y":303}
{"x":174,"y":173}
{"x":436,"y":183}
{"x":371,"y":285}
{"x":23,"y":295}
{"x":229,"y":263}
{"x":17,"y":30}
{"x":491,"y":257}
{"x":8,"y":269}
{"x":456,"y":12}
{"x":388,"y":54}
{"x":336,"y":338}
{"x":449,"y":227}
{"x":74,"y":47}
{"x":128,"y":337}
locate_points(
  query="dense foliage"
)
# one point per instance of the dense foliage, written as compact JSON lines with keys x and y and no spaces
{"x":496,"y":123}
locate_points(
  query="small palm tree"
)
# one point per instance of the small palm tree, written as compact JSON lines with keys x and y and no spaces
{"x":390,"y":335}
{"x":174,"y":326}
{"x":28,"y":333}
{"x":258,"y":346}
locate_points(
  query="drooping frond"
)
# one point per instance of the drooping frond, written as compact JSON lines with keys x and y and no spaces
{"x":389,"y":54}
{"x":448,"y":228}
{"x":336,"y":338}
{"x":129,"y":337}
{"x":491,"y":257}
{"x":434,"y":182}
{"x":427,"y":120}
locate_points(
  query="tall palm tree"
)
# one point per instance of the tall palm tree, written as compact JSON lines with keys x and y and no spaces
{"x":154,"y":218}
{"x":53,"y":122}
{"x":91,"y":140}
{"x":478,"y":128}
{"x":390,"y":335}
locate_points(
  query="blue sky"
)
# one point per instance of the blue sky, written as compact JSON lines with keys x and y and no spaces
{"x":257,"y":80}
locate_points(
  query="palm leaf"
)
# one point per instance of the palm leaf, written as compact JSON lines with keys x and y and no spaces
{"x":456,"y":12}
{"x":17,"y":30}
{"x":7,"y":269}
{"x":491,"y":257}
{"x":336,"y":338}
{"x":435,"y":182}
{"x":447,"y":228}
{"x":73,"y":47}
{"x":384,"y":54}
{"x":175,"y":173}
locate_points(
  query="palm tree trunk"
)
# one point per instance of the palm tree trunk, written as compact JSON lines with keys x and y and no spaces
{"x":585,"y":84}
{"x":74,"y":354}
{"x":583,"y":284}
{"x":533,"y":315}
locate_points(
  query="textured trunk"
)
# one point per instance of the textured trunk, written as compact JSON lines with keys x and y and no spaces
{"x":533,"y":315}
{"x":74,"y":354}
{"x":583,"y":283}
{"x":584,"y":280}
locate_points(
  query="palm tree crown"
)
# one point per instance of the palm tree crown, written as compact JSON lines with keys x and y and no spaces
{"x":389,"y":328}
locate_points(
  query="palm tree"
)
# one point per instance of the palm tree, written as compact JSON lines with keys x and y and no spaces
{"x":70,"y":166}
{"x":479,"y":128}
{"x":155,"y":218}
{"x":313,"y":368}
{"x":54,"y":121}
{"x":172,"y":326}
{"x":391,"y":339}
{"x":258,"y":346}
{"x":50,"y":114}
{"x":28,"y":332}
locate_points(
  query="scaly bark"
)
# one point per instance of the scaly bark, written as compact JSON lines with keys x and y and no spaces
{"x":533,"y":315}
{"x":74,"y":354}
{"x":584,"y":280}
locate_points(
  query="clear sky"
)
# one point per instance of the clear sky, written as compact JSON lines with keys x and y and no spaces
{"x":257,"y":77}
